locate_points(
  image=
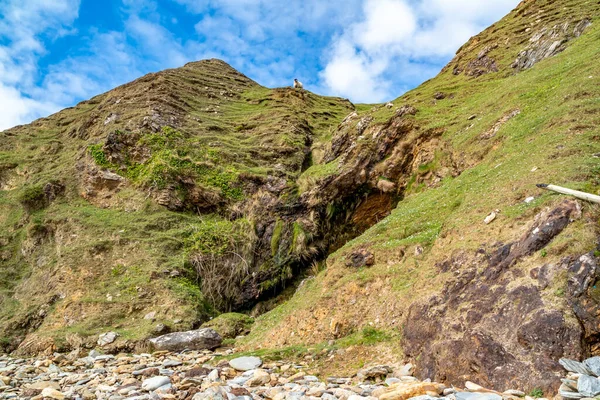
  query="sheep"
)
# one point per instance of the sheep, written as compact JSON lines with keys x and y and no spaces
{"x":298,"y":84}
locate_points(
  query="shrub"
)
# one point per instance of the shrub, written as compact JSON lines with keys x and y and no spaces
{"x":221,"y":252}
{"x":32,"y":197}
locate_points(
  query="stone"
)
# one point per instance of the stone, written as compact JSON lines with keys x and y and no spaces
{"x":473,"y":387}
{"x":296,"y":377}
{"x":213,"y":376}
{"x":160,"y":329}
{"x":164,"y":389}
{"x":404,"y":391}
{"x":197,"y":371}
{"x":199,"y":339}
{"x":379,"y":371}
{"x":405,"y":370}
{"x":107,"y":338}
{"x":513,"y":392}
{"x":316,"y":391}
{"x":476,"y":396}
{"x":154,"y":383}
{"x":588,"y":386}
{"x":260,"y":377}
{"x":356,"y":397}
{"x":570,"y":395}
{"x":150,"y":316}
{"x":391,"y":381}
{"x":93,"y":354}
{"x":171,"y":363}
{"x":491,"y":217}
{"x":43,"y":385}
{"x":360,"y":258}
{"x":574,"y":366}
{"x":212,"y":393}
{"x":245,"y":363}
{"x":593,"y":364}
{"x":52,"y":394}
{"x":406,"y":110}
{"x":424,"y":397}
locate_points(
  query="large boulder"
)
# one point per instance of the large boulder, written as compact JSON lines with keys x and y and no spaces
{"x":199,"y":339}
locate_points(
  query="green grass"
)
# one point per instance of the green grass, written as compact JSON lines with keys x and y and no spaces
{"x":536,"y":393}
{"x":368,"y":336}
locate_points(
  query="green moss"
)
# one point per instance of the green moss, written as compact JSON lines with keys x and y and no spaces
{"x":215,"y":236}
{"x":230,"y":325}
{"x":276,"y":238}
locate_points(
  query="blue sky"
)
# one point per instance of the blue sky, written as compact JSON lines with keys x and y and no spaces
{"x":55,"y":53}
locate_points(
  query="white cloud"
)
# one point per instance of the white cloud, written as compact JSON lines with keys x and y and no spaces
{"x":25,"y":24}
{"x":386,"y":22}
{"x":362,"y":63}
{"x":156,"y":42}
{"x":16,"y":108}
{"x":354,"y":74}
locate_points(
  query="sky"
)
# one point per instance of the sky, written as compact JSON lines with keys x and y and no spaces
{"x":56,"y":53}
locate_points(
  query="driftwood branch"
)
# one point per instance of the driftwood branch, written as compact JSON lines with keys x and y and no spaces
{"x":580,"y":195}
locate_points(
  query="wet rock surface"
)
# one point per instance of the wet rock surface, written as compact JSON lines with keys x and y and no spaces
{"x":197,"y":375}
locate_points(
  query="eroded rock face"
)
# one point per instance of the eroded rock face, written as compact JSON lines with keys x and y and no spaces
{"x":491,"y":324}
{"x":200,"y":339}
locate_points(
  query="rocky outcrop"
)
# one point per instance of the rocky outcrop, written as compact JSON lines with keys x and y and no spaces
{"x":494,"y":324}
{"x":549,"y":42}
{"x":481,"y":65}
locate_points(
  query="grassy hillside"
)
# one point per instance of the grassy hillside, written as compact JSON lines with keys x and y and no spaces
{"x":480,"y":142}
{"x":196,"y":191}
{"x":104,"y":206}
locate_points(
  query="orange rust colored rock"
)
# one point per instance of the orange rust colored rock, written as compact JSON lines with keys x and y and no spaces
{"x":404,"y":391}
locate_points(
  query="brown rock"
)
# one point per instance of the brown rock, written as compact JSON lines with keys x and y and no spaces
{"x":360,"y":258}
{"x":148,"y":372}
{"x":197,"y":371}
{"x":240,"y":391}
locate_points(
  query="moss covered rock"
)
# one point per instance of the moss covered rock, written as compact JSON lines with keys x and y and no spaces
{"x":230,"y":325}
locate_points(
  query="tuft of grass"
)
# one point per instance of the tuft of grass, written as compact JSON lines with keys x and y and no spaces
{"x":536,"y":393}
